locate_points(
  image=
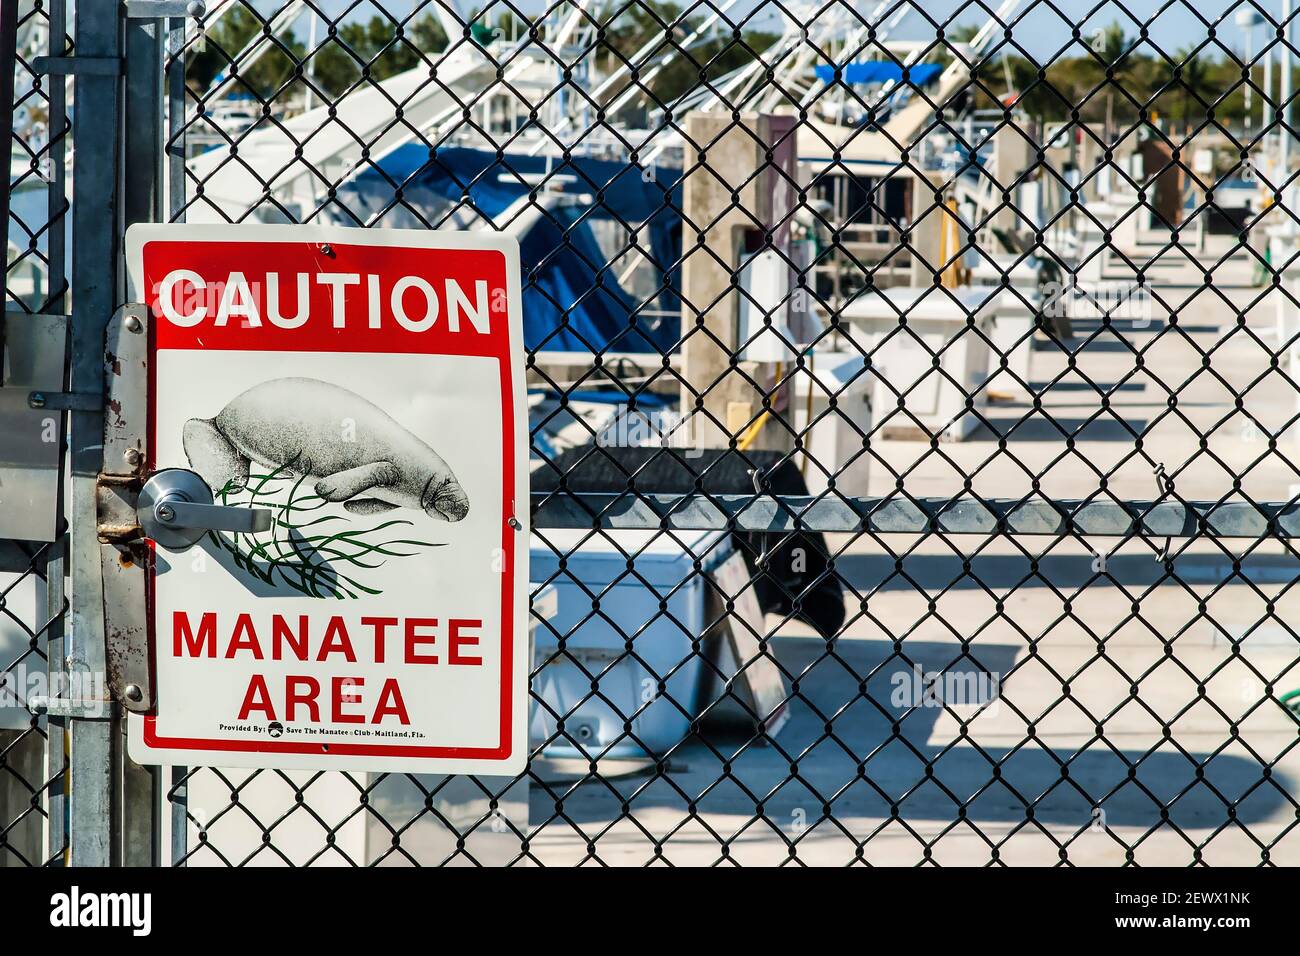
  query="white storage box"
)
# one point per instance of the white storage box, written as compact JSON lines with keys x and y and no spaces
{"x":658,"y":603}
{"x":938,"y":318}
{"x":1013,"y":337}
{"x":1283,"y":249}
{"x":836,"y":441}
{"x":1014,"y":322}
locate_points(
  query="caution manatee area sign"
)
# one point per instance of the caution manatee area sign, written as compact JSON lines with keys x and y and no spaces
{"x":367,"y":388}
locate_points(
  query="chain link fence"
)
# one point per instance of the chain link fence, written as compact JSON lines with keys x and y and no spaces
{"x":912,"y":401}
{"x":32,"y":602}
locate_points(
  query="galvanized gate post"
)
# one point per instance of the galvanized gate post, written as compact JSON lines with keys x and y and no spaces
{"x":93,"y":837}
{"x":176,"y":787}
{"x":142,"y":152}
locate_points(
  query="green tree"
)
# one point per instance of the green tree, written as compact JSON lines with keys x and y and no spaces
{"x":375,"y":50}
{"x":262,"y":77}
{"x":1111,"y":47}
{"x":1190,"y":77}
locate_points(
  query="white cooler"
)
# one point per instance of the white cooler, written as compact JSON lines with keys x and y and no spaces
{"x":595,"y":648}
{"x":1013,"y":311}
{"x":906,"y":364}
{"x":836,"y":438}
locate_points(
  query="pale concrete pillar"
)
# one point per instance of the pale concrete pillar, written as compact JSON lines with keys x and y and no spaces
{"x":927,"y":222}
{"x":731,"y":188}
{"x":1012,"y":155}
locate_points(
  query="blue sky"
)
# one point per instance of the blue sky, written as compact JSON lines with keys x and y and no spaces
{"x":1040,"y":31}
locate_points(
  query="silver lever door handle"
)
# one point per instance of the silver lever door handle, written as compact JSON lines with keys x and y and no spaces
{"x":175,"y":510}
{"x":177,"y":513}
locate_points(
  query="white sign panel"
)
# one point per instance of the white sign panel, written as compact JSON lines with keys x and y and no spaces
{"x":365,"y":386}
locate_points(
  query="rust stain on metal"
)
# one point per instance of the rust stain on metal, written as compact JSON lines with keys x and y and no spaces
{"x":125,"y":629}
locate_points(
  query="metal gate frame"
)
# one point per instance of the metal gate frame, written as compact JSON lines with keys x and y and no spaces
{"x":122,"y":157}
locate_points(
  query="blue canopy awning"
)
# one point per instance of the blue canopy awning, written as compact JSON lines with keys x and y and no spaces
{"x":880,"y":71}
{"x":573,"y":300}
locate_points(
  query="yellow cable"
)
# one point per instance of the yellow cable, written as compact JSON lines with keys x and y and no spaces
{"x":748,"y":436}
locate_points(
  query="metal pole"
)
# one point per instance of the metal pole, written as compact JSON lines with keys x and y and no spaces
{"x":312,"y":40}
{"x":1250,"y":73}
{"x":176,"y":197}
{"x":1284,"y":66}
{"x":1266,"y":107}
{"x":142,"y":201}
{"x":92,"y":838}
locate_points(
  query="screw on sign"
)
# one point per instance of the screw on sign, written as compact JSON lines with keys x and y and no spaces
{"x":365,"y":388}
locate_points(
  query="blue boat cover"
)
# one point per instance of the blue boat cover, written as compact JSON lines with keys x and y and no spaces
{"x":572,"y":299}
{"x":880,"y":71}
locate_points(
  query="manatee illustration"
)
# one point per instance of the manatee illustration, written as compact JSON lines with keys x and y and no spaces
{"x":350,"y":448}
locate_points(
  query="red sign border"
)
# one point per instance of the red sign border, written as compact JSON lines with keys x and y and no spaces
{"x":509,"y":544}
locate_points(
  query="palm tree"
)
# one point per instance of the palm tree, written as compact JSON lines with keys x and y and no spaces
{"x":1111,"y":49}
{"x":1192,"y":72}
